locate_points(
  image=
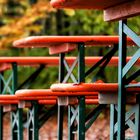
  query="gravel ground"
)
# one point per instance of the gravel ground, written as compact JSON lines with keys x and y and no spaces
{"x":98,"y":131}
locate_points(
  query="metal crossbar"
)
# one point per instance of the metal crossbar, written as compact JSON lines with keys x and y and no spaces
{"x":105,"y":60}
{"x":69,"y":70}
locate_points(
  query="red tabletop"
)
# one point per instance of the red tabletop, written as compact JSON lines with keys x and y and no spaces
{"x":58,"y":44}
{"x":49,"y":41}
{"x":85,"y":4}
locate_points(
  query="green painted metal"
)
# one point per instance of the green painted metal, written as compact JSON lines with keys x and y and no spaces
{"x":7,"y":88}
{"x":132,"y":85}
{"x":131,"y":34}
{"x":60,"y":122}
{"x":32,"y":122}
{"x":81,"y":63}
{"x":106,"y":58}
{"x":132,"y":77}
{"x":93,"y":115}
{"x":16,"y":116}
{"x":15,"y":78}
{"x":131,"y":122}
{"x":133,"y":60}
{"x":125,"y":120}
{"x":113,"y":120}
{"x":61,"y":108}
{"x":81,"y":100}
{"x":121,"y":82}
{"x":81,"y":118}
{"x":20,"y":123}
{"x":45,"y":115}
{"x":70,"y":125}
{"x":69,"y":71}
{"x":26,"y":84}
{"x":16,"y":124}
{"x":35,"y":121}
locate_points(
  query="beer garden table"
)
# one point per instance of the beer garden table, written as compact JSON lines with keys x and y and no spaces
{"x":113,"y":11}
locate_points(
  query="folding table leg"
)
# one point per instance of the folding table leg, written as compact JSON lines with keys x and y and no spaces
{"x":121,"y":83}
{"x":17,"y":126}
{"x":60,"y":122}
{"x":32,"y":122}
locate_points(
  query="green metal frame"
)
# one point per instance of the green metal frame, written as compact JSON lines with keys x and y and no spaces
{"x":9,"y":85}
{"x":78,"y":122}
{"x":32,"y":122}
{"x":124,"y":119}
{"x":17,"y":124}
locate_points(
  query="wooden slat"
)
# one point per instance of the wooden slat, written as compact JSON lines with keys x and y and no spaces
{"x":85,"y":4}
{"x":122,"y":11}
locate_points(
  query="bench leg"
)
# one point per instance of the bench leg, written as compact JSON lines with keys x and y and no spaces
{"x":113,"y":121}
{"x":71,"y":123}
{"x":32,"y":122}
{"x":60,"y":122}
{"x":121,"y":82}
{"x":81,"y":119}
{"x":17,"y":126}
{"x":76,"y":120}
{"x":132,"y":122}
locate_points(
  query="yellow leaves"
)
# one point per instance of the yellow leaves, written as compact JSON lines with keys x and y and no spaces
{"x":3,"y":1}
{"x":25,"y":24}
{"x":69,"y":12}
{"x":34,"y":28}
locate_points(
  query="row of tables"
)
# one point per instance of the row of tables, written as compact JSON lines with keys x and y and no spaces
{"x":63,"y":44}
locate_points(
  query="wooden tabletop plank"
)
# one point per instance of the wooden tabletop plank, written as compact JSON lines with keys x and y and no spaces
{"x":63,"y":44}
{"x":50,"y":41}
{"x":85,"y":4}
{"x":122,"y":11}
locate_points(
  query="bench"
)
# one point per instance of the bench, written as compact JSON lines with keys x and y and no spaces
{"x":107,"y":92}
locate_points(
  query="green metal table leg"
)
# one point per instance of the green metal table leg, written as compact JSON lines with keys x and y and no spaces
{"x":121,"y":83}
{"x":81,"y":100}
{"x":20,"y":123}
{"x":17,"y":126}
{"x":70,"y":125}
{"x":15,"y":77}
{"x":61,"y":108}
{"x":60,"y":122}
{"x":16,"y":116}
{"x":81,"y":119}
{"x":33,"y":125}
{"x":113,"y":121}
